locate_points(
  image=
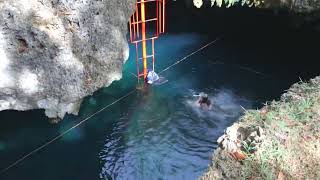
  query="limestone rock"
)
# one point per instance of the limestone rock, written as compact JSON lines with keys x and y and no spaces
{"x":235,"y":136}
{"x":53,"y":53}
{"x":229,"y":141}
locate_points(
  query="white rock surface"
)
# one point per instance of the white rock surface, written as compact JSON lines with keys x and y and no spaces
{"x":53,"y":53}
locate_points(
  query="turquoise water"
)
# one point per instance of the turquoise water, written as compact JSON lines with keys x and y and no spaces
{"x":156,"y":134}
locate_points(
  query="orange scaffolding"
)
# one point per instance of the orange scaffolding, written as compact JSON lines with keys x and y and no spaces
{"x":140,"y":25}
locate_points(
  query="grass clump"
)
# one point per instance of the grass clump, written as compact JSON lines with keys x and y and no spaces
{"x":290,"y":148}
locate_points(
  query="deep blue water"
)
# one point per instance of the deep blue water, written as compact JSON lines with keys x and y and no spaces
{"x":157,"y":134}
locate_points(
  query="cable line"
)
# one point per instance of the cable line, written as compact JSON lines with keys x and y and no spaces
{"x":97,"y":112}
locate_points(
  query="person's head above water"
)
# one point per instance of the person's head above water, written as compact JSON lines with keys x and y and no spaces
{"x":203,"y":95}
{"x":204,"y":100}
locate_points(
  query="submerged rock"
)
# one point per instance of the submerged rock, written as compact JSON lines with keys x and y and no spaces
{"x":53,"y":53}
{"x":54,"y":120}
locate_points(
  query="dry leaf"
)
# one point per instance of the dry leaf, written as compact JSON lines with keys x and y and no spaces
{"x":238,"y":155}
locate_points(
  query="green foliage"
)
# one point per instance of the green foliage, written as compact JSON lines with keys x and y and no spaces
{"x":219,"y":3}
{"x":266,"y":163}
{"x":252,"y":114}
{"x":229,"y":3}
{"x":270,"y":116}
{"x":300,"y":110}
{"x":248,"y":147}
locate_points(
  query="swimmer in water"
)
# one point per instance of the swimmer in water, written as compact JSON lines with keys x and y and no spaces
{"x":204,"y":101}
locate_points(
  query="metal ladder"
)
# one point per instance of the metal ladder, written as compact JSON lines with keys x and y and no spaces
{"x":138,"y":26}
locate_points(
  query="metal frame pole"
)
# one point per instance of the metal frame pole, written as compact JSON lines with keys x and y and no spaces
{"x":144,"y":43}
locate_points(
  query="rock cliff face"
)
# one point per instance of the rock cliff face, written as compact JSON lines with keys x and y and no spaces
{"x":55,"y":52}
{"x":297,"y":6}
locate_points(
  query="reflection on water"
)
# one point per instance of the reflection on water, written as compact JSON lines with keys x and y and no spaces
{"x":165,"y":138}
{"x":164,"y":135}
{"x":72,"y":136}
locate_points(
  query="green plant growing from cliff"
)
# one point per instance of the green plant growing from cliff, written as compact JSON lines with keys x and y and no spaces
{"x":249,"y":148}
{"x":303,"y":110}
{"x":299,"y":111}
{"x":229,"y":3}
{"x":264,"y":165}
{"x":252,"y":114}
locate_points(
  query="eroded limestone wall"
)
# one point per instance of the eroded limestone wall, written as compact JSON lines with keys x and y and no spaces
{"x":55,"y":52}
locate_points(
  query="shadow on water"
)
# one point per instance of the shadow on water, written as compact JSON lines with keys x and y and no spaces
{"x":158,"y":134}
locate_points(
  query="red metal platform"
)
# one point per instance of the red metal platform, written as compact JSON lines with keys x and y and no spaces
{"x":145,"y":25}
